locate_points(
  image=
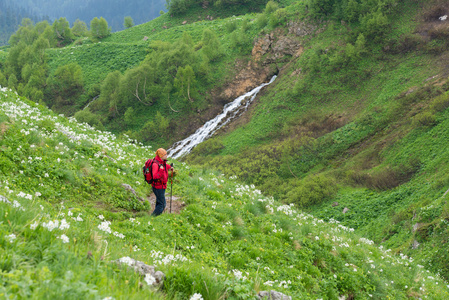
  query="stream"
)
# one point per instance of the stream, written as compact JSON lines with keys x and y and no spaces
{"x":230,"y":111}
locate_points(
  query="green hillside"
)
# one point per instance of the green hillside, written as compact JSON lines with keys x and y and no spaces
{"x":353,"y":132}
{"x":65,"y":217}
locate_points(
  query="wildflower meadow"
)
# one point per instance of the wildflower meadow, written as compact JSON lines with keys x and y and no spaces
{"x":65,"y":217}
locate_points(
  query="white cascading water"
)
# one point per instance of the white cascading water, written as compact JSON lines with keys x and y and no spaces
{"x":210,"y":127}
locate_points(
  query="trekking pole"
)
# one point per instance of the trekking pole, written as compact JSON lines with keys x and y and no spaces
{"x":171,"y":188}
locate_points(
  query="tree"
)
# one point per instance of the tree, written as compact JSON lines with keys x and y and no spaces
{"x":211,"y":45}
{"x":176,"y":7}
{"x":374,"y":25}
{"x":79,"y":28}
{"x":66,"y":84}
{"x":156,"y":128}
{"x":62,"y":31}
{"x":129,"y":116}
{"x":39,"y":47}
{"x":109,"y":92}
{"x":129,"y":22}
{"x":185,"y":78}
{"x":320,"y":8}
{"x":99,"y":28}
{"x":25,"y":33}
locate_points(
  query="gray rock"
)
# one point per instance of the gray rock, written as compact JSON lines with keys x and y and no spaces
{"x":141,"y":268}
{"x":130,"y":189}
{"x":273,"y":295}
{"x":415,"y":245}
{"x":417,"y":226}
{"x":345,"y":210}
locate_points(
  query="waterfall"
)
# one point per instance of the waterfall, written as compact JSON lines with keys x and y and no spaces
{"x":229,"y":112}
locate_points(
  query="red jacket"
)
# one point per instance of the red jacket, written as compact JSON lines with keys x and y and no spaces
{"x":160,"y":173}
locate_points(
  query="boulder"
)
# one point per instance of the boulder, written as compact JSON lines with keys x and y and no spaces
{"x":130,"y":189}
{"x":142,"y":269}
{"x":273,"y":295}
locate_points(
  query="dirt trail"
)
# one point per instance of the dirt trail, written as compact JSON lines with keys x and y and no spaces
{"x":176,"y":205}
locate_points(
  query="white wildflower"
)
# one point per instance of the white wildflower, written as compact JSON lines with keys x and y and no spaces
{"x":34,"y":225}
{"x":196,"y":296}
{"x":64,"y":238}
{"x":11,"y":237}
{"x":127,"y":260}
{"x":64,"y":225}
{"x":51,"y":225}
{"x":149,"y":279}
{"x":104,"y":226}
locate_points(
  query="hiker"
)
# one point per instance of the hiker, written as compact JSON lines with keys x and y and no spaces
{"x":160,"y":178}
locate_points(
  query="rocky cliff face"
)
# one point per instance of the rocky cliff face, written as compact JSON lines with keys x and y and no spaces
{"x":269,"y":50}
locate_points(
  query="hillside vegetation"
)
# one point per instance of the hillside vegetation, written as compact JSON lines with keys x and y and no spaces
{"x":356,"y":123}
{"x":353,"y":131}
{"x":65,"y":217}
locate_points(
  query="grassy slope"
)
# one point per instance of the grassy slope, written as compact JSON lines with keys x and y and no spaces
{"x":386,"y":216}
{"x":54,"y":169}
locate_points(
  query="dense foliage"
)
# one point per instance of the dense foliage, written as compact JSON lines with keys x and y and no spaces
{"x":65,"y":217}
{"x":353,"y":130}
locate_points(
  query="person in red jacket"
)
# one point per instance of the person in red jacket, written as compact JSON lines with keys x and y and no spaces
{"x":160,"y":178}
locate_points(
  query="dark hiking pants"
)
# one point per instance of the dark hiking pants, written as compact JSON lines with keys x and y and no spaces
{"x":160,"y":201}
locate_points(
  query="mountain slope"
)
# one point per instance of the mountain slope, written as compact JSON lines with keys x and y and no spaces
{"x":355,"y":120}
{"x":61,"y":181}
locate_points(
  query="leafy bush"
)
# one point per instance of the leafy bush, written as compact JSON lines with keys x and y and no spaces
{"x":86,"y":116}
{"x":440,"y":103}
{"x":425,"y":119}
{"x":311,"y":191}
{"x":65,"y":85}
{"x":231,"y":25}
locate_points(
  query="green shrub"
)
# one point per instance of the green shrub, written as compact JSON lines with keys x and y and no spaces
{"x":311,"y":191}
{"x":86,"y":116}
{"x":270,"y":7}
{"x":406,"y":43}
{"x":388,"y":177}
{"x":424,"y":119}
{"x":261,"y":21}
{"x":440,"y":103}
{"x":230,"y":26}
{"x":374,"y":25}
{"x":184,"y":281}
